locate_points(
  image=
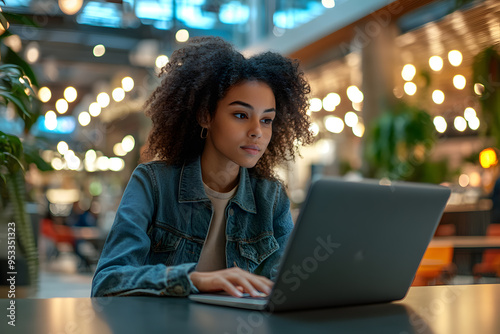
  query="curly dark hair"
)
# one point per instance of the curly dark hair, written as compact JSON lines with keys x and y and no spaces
{"x":198,"y":76}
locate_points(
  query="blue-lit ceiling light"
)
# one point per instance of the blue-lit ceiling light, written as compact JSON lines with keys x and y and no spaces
{"x":65,"y":125}
{"x":234,"y":13}
{"x":290,"y":18}
{"x":150,"y":12}
{"x":102,"y":14}
{"x":17,"y":3}
{"x":194,"y":17}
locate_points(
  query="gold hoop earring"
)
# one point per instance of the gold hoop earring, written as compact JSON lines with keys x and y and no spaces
{"x":206,"y":133}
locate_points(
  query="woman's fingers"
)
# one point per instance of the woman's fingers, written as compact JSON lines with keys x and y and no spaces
{"x":234,"y":281}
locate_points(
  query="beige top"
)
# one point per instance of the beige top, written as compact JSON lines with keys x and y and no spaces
{"x":213,"y":253}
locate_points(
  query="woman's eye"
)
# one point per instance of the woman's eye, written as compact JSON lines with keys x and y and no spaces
{"x":240,"y":115}
{"x":267,"y":120}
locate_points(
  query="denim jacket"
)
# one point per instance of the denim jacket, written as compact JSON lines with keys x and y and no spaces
{"x":161,"y":225}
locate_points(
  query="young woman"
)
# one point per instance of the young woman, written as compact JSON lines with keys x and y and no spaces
{"x":208,"y":213}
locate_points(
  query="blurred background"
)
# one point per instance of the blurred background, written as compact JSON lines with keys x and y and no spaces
{"x":401,"y":90}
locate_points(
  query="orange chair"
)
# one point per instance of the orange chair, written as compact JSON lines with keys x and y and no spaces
{"x":436,"y":267}
{"x":490,"y":263}
{"x":445,"y":230}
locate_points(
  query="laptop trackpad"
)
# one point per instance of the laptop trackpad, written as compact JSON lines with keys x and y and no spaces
{"x":247,"y":302}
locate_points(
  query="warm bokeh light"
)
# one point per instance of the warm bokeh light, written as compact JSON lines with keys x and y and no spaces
{"x":328,"y":3}
{"x":398,"y":92}
{"x":331,"y":101}
{"x":475,"y":179}
{"x":351,"y":119}
{"x":94,"y":109}
{"x":474,"y":123}
{"x":70,"y":94}
{"x":459,"y":81}
{"x":469,"y":113}
{"x":440,"y":124}
{"x":73,"y":162}
{"x":62,"y":106}
{"x":62,"y":147}
{"x":84,"y":118}
{"x":408,"y":72}
{"x":70,"y":7}
{"x":358,"y":129}
{"x":354,"y":94}
{"x":161,"y":61}
{"x":118,"y":150}
{"x":314,"y":128}
{"x":118,"y":94}
{"x":69,"y":153}
{"x":57,"y":163}
{"x":455,"y":57}
{"x":44,"y":94}
{"x":315,"y":104}
{"x":357,"y":106}
{"x":102,"y":163}
{"x":127,"y":84}
{"x":99,"y":50}
{"x":90,"y":156}
{"x":463,"y":180}
{"x":182,"y":35}
{"x":488,"y":158}
{"x":436,"y":63}
{"x":334,"y":124}
{"x":335,"y":98}
{"x":128,"y":143}
{"x":50,"y":120}
{"x":103,"y":99}
{"x":32,"y":52}
{"x":90,"y":166}
{"x":478,"y":88}
{"x":14,"y":42}
{"x":116,"y":164}
{"x":438,"y":96}
{"x":410,"y":88}
{"x":460,"y":123}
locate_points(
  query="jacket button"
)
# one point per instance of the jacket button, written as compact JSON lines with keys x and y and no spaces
{"x":178,"y":289}
{"x":231,"y":212}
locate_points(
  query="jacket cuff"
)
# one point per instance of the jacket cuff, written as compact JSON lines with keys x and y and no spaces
{"x":178,"y":282}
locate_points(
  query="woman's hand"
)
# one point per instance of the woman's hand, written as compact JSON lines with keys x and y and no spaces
{"x":232,"y":280}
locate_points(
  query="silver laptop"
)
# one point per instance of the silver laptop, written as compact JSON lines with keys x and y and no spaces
{"x":354,"y":243}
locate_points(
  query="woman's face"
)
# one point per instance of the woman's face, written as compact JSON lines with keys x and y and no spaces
{"x":241,"y":128}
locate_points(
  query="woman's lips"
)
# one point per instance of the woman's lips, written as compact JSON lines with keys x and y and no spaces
{"x":251,"y":149}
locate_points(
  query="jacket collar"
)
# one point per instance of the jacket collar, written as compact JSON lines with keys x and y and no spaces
{"x":191,"y":187}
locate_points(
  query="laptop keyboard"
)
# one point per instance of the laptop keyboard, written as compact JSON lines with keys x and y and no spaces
{"x":248,"y":296}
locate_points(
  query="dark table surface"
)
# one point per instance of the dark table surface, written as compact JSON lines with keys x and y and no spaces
{"x":441,"y":309}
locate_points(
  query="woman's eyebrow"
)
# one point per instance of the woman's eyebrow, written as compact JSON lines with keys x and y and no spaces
{"x":246,"y":105}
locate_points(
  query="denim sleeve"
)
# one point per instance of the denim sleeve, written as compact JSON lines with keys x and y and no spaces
{"x":283,"y":226}
{"x":122,"y":269}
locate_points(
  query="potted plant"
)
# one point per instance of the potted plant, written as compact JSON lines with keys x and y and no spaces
{"x":398,"y":144}
{"x":486,"y":72}
{"x":16,"y":153}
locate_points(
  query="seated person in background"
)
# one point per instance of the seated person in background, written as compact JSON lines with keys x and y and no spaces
{"x":495,"y":201}
{"x":209,"y":213}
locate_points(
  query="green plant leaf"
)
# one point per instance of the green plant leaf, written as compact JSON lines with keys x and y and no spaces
{"x":13,"y":58}
{"x":3,"y":20}
{"x":10,"y":97}
{"x":32,"y":155}
{"x":20,"y":19}
{"x":18,"y":163}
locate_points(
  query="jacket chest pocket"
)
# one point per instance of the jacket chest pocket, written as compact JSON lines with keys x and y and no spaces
{"x":164,"y":246}
{"x":256,"y":251}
